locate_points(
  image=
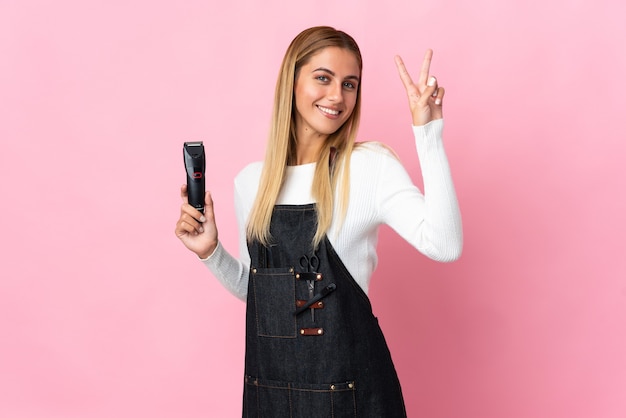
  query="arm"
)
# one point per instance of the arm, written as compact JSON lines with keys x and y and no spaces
{"x":430,"y":221}
{"x":198,"y":233}
{"x":230,"y":271}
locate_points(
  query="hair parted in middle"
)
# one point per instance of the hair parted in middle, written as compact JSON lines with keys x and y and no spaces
{"x":281,"y":145}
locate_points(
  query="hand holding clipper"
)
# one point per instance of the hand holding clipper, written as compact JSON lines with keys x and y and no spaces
{"x":195,"y":165}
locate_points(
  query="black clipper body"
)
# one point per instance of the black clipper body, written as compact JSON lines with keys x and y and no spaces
{"x":195,"y":165}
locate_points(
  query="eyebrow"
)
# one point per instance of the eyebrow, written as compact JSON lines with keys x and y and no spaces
{"x":350,"y":77}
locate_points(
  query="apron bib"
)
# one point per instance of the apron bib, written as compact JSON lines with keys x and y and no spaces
{"x":313,"y":346}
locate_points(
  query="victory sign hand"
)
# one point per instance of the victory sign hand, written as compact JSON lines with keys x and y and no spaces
{"x":425,"y":96}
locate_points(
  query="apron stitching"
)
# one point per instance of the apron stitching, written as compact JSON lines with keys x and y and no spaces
{"x":293,"y":230}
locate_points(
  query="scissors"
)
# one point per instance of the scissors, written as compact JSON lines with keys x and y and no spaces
{"x":310,"y":264}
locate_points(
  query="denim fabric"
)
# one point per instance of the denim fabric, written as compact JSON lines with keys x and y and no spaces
{"x":347,"y":370}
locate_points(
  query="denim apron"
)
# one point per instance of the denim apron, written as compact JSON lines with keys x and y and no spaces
{"x":313,"y":346}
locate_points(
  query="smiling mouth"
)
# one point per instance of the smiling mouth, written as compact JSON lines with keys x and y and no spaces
{"x":328,"y":111}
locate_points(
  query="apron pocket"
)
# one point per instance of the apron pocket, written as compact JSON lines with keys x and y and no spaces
{"x":270,"y":398}
{"x":274,"y":291}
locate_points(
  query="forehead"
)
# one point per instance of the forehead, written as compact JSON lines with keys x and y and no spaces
{"x":339,"y":60}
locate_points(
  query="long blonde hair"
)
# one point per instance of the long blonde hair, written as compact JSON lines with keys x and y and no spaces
{"x":281,"y":146}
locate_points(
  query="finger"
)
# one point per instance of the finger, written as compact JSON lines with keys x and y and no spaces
{"x":208,"y":206}
{"x":188,"y":210}
{"x":440,"y":93}
{"x":183,"y":193}
{"x":187,"y":226}
{"x":190,"y":220}
{"x":431,"y":88}
{"x":428,"y":57}
{"x":183,"y":227}
{"x":208,"y":200}
{"x":436,"y":92}
{"x":404,"y":74}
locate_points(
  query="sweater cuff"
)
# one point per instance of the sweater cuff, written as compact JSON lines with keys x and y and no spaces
{"x":429,"y":133}
{"x":214,"y":254}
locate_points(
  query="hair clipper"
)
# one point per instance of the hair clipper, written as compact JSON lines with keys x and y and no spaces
{"x":195,"y":164}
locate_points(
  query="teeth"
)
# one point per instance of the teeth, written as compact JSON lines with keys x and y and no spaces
{"x":329,"y":111}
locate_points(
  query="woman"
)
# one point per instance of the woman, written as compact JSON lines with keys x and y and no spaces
{"x":309,"y":218}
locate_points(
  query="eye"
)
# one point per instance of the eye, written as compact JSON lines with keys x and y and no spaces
{"x":322,"y":78}
{"x":349,"y":85}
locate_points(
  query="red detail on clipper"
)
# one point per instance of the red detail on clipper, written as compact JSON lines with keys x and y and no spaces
{"x":197,"y":175}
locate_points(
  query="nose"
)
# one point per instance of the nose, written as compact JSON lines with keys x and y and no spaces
{"x":335,"y":92}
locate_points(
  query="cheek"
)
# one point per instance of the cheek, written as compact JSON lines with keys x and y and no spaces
{"x":301,"y":97}
{"x":299,"y":104}
{"x":351,"y":104}
{"x":302,"y":104}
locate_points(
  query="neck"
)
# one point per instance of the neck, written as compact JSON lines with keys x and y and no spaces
{"x":308,"y":147}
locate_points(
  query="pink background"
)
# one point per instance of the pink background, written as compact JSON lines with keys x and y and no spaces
{"x":103,"y":313}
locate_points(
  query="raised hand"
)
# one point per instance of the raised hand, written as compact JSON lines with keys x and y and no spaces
{"x":425,"y":97}
{"x":197,"y":232}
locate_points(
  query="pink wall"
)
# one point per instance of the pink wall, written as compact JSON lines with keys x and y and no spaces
{"x":104,"y":314}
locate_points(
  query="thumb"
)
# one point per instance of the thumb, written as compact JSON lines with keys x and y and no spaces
{"x":431,"y":88}
{"x":183,"y":193}
{"x":208,"y":204}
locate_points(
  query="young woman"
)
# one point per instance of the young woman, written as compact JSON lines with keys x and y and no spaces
{"x":309,"y":218}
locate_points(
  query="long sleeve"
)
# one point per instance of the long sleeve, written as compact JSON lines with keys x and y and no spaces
{"x":431,"y":221}
{"x":382,"y":192}
{"x":230,"y":271}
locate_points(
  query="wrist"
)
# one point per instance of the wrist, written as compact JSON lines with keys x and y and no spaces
{"x":208,"y":253}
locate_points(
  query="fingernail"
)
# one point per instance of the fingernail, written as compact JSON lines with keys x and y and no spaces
{"x":437,"y":102}
{"x":431,"y":81}
{"x":201,"y":229}
{"x":202,"y":219}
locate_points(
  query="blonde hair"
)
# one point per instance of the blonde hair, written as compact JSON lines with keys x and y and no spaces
{"x":281,"y":146}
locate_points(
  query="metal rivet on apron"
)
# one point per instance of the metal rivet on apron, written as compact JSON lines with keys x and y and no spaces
{"x":297,"y":275}
{"x":311,"y":331}
{"x":291,"y":270}
{"x":332,"y":387}
{"x":351,"y":385}
{"x":319,"y":277}
{"x":254,"y":271}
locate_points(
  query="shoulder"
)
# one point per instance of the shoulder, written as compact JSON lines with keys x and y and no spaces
{"x":247,"y":181}
{"x":250,"y":171}
{"x":378,"y":163}
{"x":370,"y":154}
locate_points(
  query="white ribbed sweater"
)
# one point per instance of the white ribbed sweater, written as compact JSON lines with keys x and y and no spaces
{"x":381,"y":192}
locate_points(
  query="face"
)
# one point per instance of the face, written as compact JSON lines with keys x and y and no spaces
{"x":325,"y":92}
